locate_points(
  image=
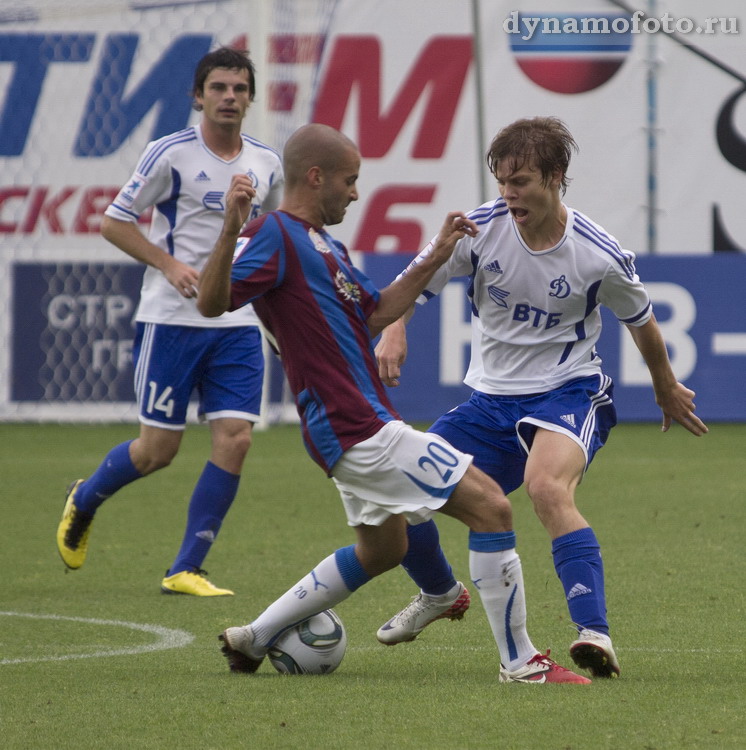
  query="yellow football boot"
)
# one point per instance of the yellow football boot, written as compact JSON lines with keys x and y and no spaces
{"x":193,"y":582}
{"x":73,"y":531}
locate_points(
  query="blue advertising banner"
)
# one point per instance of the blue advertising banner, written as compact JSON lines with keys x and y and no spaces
{"x":700,"y":303}
{"x":72,"y":332}
{"x":72,"y":336}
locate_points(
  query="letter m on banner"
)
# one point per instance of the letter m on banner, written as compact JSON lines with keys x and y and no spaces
{"x":439,"y":73}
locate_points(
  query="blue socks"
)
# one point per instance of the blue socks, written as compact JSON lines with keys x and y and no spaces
{"x":577,"y":560}
{"x":498,"y":541}
{"x":350,"y":569}
{"x":212,"y":497}
{"x":425,"y":562}
{"x":114,"y":472}
{"x":427,"y":565}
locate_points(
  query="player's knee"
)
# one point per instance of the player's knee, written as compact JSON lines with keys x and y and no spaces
{"x":242,"y":443}
{"x":496,"y":513}
{"x":550,"y":500}
{"x":480,"y":503}
{"x":231,"y":446}
{"x":493,"y":502}
{"x":542,"y":490}
{"x":488,"y":512}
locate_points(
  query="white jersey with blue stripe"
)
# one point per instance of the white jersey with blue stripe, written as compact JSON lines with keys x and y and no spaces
{"x":536,"y":315}
{"x":185,"y":184}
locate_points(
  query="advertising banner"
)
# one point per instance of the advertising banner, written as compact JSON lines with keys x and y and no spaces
{"x":653,"y":92}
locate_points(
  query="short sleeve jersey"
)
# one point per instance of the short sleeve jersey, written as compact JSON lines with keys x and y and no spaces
{"x":536,"y":315}
{"x":315,"y":304}
{"x":185,"y":184}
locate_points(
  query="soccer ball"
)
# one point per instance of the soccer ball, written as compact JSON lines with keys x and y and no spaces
{"x":314,"y":646}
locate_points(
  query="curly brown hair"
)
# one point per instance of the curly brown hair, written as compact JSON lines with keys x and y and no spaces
{"x":545,"y":141}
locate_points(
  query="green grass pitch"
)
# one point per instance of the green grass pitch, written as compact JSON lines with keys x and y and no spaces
{"x":98,"y":658}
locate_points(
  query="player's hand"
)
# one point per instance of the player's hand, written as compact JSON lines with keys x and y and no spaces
{"x":238,"y":203}
{"x":182,"y":277}
{"x":391,"y":352}
{"x":456,"y":226}
{"x":678,"y":405}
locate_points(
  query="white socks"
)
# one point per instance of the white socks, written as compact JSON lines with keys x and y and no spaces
{"x":496,"y":575}
{"x":320,"y":589}
{"x":499,"y":579}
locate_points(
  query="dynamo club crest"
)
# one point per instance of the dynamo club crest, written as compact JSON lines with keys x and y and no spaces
{"x":569,"y":53}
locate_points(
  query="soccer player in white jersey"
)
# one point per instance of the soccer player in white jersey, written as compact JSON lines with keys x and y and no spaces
{"x":386,"y":472}
{"x":184,"y":177}
{"x":541,"y":405}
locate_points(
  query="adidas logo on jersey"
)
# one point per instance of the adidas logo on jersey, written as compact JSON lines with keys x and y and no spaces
{"x":202,"y":177}
{"x":578,"y":590}
{"x":493,"y":267}
{"x":569,"y":419}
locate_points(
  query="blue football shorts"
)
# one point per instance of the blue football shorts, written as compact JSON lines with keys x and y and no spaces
{"x":499,"y":430}
{"x":223,"y":367}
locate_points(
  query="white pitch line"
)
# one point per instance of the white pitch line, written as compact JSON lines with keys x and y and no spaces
{"x":172,"y":638}
{"x":166,"y":638}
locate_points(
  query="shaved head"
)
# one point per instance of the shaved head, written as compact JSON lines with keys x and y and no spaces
{"x":314,"y":145}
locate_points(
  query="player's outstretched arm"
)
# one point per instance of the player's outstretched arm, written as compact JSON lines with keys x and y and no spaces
{"x":398,"y":296}
{"x":215,"y":280}
{"x":675,"y":400}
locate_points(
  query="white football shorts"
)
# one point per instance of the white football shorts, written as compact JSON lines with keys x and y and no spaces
{"x":399,"y":470}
